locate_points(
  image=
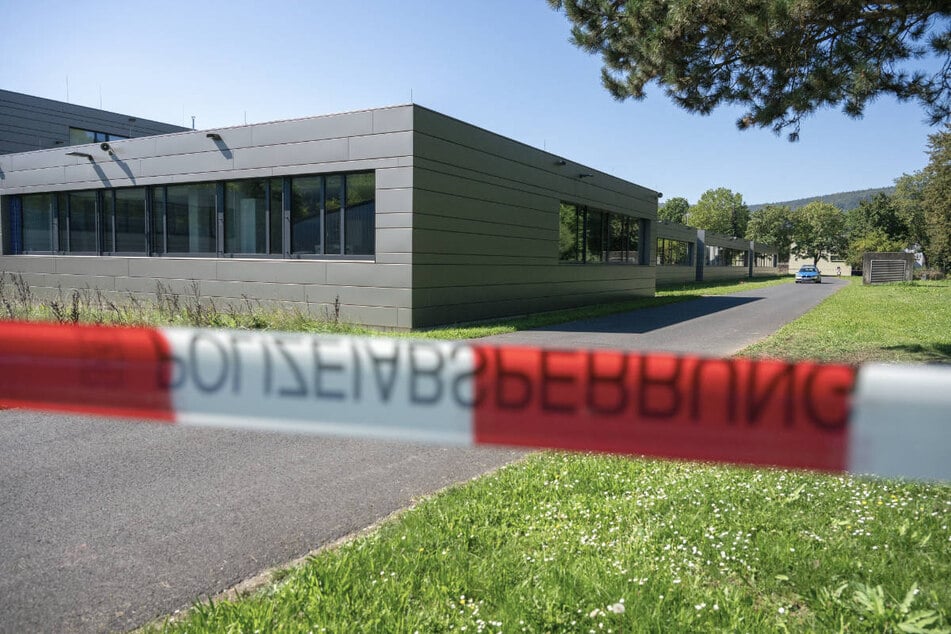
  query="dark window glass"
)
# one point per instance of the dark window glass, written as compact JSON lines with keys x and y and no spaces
{"x":569,"y":233}
{"x":305,"y":214}
{"x":190,"y":218}
{"x":277,"y":216}
{"x":82,"y":222}
{"x":62,"y":213}
{"x":158,"y":220}
{"x":595,"y":232}
{"x":360,"y":225}
{"x":246,"y":216}
{"x":633,"y":240}
{"x":78,"y":137}
{"x":332,"y":218}
{"x":129,"y":220}
{"x":672,"y":252}
{"x":38,"y":212}
{"x":108,"y":203}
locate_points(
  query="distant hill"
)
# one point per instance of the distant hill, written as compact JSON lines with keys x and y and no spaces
{"x":842,"y":200}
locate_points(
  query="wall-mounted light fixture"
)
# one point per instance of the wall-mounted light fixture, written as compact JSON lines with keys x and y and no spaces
{"x":89,"y":156}
{"x":561,"y":162}
{"x":585,"y":175}
{"x":214,"y":136}
{"x":660,"y":194}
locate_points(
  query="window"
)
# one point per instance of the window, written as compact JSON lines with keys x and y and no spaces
{"x":595,"y":227}
{"x":624,"y":236}
{"x":38,"y":213}
{"x":246,"y":216}
{"x":333,"y":214}
{"x":333,"y":199}
{"x":570,"y":236}
{"x":78,"y":136}
{"x":190,"y":218}
{"x":673,"y":252}
{"x":360,"y":221}
{"x":123,"y":221}
{"x":81,"y":223}
{"x":306,"y":202}
{"x":591,"y":236}
{"x":319,"y":215}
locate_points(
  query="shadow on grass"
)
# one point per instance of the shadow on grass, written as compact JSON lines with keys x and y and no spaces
{"x":931,"y":352}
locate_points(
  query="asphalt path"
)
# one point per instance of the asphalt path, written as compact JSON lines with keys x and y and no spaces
{"x":716,"y":325}
{"x":106,"y":525}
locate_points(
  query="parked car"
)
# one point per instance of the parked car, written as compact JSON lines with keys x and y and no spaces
{"x":808,"y":273}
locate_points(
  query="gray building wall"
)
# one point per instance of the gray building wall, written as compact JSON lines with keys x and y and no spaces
{"x":33,"y":123}
{"x":486,"y":221}
{"x":374,"y":292}
{"x":466,"y":220}
{"x":668,"y":274}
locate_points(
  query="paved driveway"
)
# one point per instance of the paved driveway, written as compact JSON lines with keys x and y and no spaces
{"x":105,"y":525}
{"x":718,"y":325}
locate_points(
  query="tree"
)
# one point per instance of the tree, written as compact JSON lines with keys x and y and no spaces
{"x":907,"y":201}
{"x":819,"y":231}
{"x":936,"y":200}
{"x":674,"y":210}
{"x":721,"y":211}
{"x":875,"y":241}
{"x":772,"y":224}
{"x":778,"y":59}
{"x":878,"y":214}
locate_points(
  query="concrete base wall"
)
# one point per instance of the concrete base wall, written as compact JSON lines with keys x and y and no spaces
{"x":369,"y":293}
{"x":668,"y":275}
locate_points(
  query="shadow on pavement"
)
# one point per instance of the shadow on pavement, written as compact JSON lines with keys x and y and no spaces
{"x":648,"y":319}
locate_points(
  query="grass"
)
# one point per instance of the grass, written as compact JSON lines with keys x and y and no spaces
{"x":907,"y":322}
{"x":591,"y":543}
{"x":568,"y":543}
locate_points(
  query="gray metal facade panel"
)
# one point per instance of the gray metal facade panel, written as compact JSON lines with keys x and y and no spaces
{"x":486,"y":226}
{"x":33,"y":123}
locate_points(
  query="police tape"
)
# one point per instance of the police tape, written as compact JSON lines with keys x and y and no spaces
{"x":885,"y":420}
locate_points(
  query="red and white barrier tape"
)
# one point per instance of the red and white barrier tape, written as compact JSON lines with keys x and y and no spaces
{"x":878,"y":419}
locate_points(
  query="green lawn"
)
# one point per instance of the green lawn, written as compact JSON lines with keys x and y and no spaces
{"x":586,"y":543}
{"x":892,"y":322}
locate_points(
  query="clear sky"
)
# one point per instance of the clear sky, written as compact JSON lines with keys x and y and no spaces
{"x":505,"y":65}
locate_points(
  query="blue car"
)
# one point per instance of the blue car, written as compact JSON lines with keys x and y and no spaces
{"x":808,"y":273}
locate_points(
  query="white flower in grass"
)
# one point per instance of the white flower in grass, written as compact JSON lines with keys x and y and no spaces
{"x":617,"y":608}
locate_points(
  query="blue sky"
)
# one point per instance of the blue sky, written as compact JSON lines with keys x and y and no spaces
{"x":505,"y":65}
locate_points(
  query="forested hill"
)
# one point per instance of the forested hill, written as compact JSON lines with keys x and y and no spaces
{"x":842,"y":200}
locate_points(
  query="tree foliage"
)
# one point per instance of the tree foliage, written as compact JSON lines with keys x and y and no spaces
{"x":674,"y":210}
{"x":819,"y":232}
{"x":907,"y":201}
{"x":780,"y":60}
{"x":874,"y":241}
{"x":936,"y":200}
{"x":878,"y":214}
{"x":721,"y":211}
{"x":772,"y":224}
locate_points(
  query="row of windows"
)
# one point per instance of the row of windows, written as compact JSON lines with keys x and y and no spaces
{"x":723,"y":256}
{"x":78,"y":136}
{"x":765,"y":260}
{"x":300,"y":216}
{"x":592,"y":236}
{"x":674,"y":252}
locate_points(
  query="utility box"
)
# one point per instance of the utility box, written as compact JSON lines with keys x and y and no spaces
{"x":880,"y":268}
